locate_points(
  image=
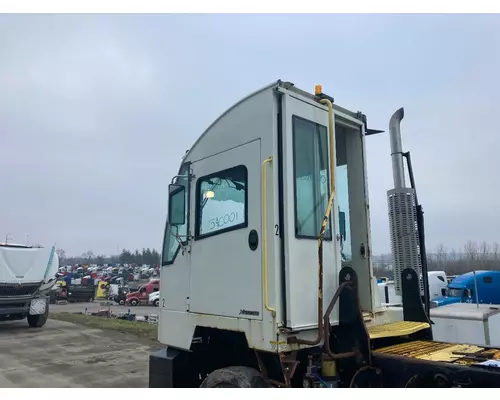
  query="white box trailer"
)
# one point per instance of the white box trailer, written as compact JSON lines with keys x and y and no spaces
{"x":467,"y":323}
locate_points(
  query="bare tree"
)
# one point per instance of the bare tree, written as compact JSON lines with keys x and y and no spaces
{"x":88,"y":255}
{"x":61,"y":254}
{"x":471,"y":250}
{"x":453,"y":255}
{"x":495,"y":252}
{"x":442,"y":255}
{"x":484,"y":253}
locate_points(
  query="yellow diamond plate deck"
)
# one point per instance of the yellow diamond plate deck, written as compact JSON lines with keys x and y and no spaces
{"x":435,"y":351}
{"x":400,"y":328}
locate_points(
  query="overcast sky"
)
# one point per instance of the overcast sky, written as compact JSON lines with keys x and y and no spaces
{"x":97,"y":111}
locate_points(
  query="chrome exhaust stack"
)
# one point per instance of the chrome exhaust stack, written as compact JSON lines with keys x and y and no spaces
{"x":398,"y":171}
{"x":402,"y":205}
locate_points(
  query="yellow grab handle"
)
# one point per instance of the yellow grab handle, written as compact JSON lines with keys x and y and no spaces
{"x":264,"y":235}
{"x":332,"y":144}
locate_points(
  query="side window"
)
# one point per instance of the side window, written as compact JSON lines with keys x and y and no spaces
{"x":312,"y":188}
{"x":487,"y":279}
{"x":221,"y":202}
{"x":174,"y":234}
{"x":342,"y":189}
{"x":441,"y":278}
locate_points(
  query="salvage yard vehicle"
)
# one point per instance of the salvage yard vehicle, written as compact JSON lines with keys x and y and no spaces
{"x":142,"y":294}
{"x":154,"y":299}
{"x":481,"y":287}
{"x":27,"y":274}
{"x":267,"y":275}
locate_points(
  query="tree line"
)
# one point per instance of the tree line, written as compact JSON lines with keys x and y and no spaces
{"x":146,"y":256}
{"x":473,"y":256}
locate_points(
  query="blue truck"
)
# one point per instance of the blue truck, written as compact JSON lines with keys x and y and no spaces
{"x":462,"y":289}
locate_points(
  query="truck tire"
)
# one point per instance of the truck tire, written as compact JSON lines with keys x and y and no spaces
{"x":156,"y":303}
{"x":134,"y":302}
{"x":234,"y":377}
{"x":37,"y":321}
{"x":121,"y":302}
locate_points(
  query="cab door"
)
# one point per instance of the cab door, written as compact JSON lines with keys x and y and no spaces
{"x":226,"y":258}
{"x":306,"y":193}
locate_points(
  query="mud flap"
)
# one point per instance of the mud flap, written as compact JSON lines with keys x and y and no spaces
{"x":172,"y":368}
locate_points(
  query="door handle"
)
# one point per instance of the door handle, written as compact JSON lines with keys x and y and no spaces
{"x":362,"y":250}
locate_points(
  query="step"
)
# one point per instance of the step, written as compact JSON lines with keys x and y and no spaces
{"x":393,"y":329}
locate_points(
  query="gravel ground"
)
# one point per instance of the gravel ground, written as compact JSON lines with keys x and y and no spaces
{"x":95,"y":306}
{"x":65,"y":355}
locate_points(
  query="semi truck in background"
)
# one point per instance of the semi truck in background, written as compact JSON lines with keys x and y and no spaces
{"x":437,"y":287}
{"x":482,"y":287}
{"x":27,"y":274}
{"x":278,"y":288}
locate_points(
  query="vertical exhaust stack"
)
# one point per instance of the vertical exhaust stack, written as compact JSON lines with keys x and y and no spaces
{"x":398,"y":171}
{"x":402,"y":211}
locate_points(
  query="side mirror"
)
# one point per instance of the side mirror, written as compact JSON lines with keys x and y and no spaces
{"x":342,"y":227}
{"x":468,"y":293}
{"x":443,"y":292}
{"x":176,"y":205}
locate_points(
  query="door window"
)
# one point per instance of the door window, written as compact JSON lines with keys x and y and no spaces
{"x":311,"y":176}
{"x":221,"y":202}
{"x":342,"y":188}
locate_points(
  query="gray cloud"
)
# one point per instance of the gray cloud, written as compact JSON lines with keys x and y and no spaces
{"x":96,"y":112}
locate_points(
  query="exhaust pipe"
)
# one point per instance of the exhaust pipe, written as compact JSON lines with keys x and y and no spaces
{"x":398,"y":171}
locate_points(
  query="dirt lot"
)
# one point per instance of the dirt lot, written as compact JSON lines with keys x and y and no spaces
{"x":62,"y":354}
{"x":96,"y":305}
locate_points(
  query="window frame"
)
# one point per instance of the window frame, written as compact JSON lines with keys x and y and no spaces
{"x":244,"y":224}
{"x":326,"y":237}
{"x":185,"y":167}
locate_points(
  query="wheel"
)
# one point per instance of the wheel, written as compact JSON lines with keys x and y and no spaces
{"x":134,"y":302}
{"x":121,"y":302}
{"x":37,"y":321}
{"x":234,"y":377}
{"x":156,"y":303}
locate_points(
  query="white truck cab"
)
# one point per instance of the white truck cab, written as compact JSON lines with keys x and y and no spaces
{"x":241,"y":249}
{"x":27,"y":273}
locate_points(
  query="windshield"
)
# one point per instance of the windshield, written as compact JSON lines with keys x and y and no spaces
{"x":454,"y":292}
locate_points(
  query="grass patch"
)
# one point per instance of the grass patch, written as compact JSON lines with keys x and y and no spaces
{"x":139,"y":329}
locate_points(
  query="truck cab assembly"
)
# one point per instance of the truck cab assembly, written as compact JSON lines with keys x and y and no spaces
{"x":266,"y":273}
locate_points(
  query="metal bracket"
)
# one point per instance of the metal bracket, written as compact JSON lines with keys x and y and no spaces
{"x":289,"y":364}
